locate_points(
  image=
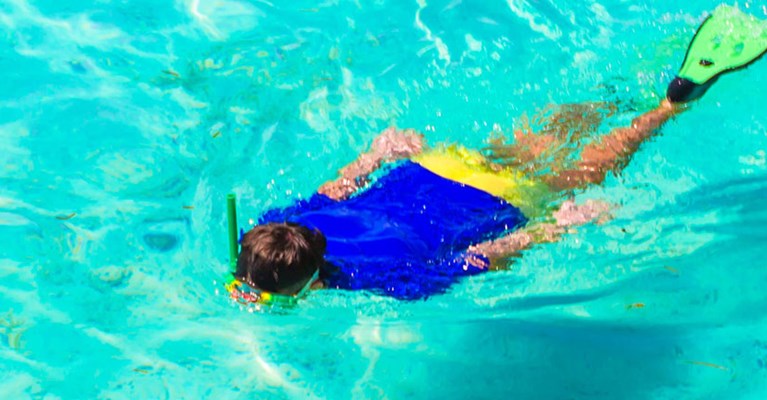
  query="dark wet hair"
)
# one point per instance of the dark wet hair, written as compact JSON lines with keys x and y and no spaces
{"x":276,"y":256}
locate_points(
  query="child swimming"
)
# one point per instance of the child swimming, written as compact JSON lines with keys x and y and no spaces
{"x":407,"y":221}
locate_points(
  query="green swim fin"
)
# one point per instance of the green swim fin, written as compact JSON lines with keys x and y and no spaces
{"x":728,"y":39}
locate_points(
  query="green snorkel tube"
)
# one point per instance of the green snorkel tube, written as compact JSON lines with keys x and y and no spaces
{"x":727,"y":40}
{"x":231,"y":224}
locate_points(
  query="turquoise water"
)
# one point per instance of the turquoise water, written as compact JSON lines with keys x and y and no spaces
{"x":124,"y":124}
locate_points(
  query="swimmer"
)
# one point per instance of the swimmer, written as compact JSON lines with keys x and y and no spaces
{"x":407,"y":221}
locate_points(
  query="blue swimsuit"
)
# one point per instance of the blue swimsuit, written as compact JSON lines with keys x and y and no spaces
{"x":404,"y":236}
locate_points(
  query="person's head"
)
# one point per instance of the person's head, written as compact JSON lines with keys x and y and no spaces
{"x":280,"y":258}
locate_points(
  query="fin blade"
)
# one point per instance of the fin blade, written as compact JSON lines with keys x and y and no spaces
{"x":729,"y":39}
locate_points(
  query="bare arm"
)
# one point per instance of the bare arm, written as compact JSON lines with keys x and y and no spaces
{"x":391,"y":145}
{"x":569,"y":215}
{"x":614,"y":150}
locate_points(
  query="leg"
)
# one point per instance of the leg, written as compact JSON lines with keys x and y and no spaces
{"x":563,"y":127}
{"x":613,"y":151}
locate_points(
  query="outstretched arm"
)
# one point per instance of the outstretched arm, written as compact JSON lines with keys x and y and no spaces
{"x":569,"y":215}
{"x":391,"y":145}
{"x":613,"y":151}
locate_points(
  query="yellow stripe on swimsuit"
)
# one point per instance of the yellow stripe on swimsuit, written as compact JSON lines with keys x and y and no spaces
{"x":470,"y":168}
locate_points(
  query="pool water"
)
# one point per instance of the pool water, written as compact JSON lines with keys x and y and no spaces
{"x":124,"y":124}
